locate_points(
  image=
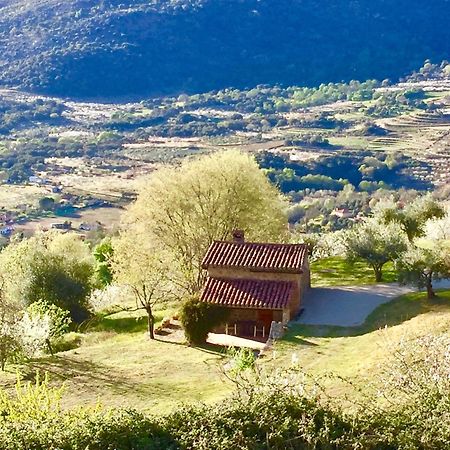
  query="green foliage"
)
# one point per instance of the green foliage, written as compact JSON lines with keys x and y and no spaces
{"x":59,"y":318}
{"x":411,"y":217}
{"x":184,"y":209}
{"x":422,"y":266}
{"x":103,"y":254}
{"x":199,"y":318}
{"x":33,"y":420}
{"x":55,"y":268}
{"x":241,"y":359}
{"x":269,"y":410}
{"x":10,"y":347}
{"x":374,"y":243}
{"x":78,"y":51}
{"x":46,"y":203}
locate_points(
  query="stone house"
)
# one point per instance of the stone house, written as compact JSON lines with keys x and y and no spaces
{"x":259,"y":283}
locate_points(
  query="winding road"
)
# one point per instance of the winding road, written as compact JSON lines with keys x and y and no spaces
{"x":349,"y":306}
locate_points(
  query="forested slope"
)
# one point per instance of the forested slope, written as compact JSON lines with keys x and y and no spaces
{"x":120,"y":47}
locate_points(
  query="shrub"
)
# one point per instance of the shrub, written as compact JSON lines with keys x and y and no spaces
{"x":58,"y":320}
{"x":33,"y":420}
{"x":199,"y":318}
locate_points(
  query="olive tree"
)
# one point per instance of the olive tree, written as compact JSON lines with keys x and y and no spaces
{"x":422,"y":266}
{"x":52,"y":267}
{"x":184,"y":209}
{"x":374,"y":243}
{"x":413,"y":217}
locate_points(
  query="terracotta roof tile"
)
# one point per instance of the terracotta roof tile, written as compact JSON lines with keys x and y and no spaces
{"x":246,"y":293}
{"x":257,"y":256}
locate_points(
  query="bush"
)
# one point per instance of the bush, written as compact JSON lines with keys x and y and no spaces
{"x":199,"y":318}
{"x":33,"y":420}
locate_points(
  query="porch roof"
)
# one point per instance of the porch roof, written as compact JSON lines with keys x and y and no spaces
{"x":247,"y":293}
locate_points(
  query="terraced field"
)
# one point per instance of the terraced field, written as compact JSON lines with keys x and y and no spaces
{"x":424,"y":136}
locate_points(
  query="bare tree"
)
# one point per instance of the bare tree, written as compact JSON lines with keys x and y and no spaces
{"x":143,"y":268}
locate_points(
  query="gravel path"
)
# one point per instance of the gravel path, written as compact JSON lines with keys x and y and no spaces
{"x":349,"y":306}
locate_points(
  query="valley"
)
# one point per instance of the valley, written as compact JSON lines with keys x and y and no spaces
{"x":89,"y":156}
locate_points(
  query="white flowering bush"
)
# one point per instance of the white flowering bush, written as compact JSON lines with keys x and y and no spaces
{"x":420,"y":367}
{"x":111,"y":296}
{"x":34,"y":332}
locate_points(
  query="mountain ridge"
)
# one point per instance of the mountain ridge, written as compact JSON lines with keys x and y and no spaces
{"x":117,"y":48}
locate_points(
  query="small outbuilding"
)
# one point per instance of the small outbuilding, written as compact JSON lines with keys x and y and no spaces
{"x":260,"y":283}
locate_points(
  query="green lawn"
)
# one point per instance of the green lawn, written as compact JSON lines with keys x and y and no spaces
{"x":358,"y":353}
{"x":336,"y":271}
{"x":117,"y":365}
{"x":352,"y":142}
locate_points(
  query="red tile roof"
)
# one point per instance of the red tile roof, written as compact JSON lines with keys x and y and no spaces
{"x":246,"y":293}
{"x":257,"y":256}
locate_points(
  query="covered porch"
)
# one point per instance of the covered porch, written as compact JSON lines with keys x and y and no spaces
{"x":252,"y":322}
{"x":253,"y":307}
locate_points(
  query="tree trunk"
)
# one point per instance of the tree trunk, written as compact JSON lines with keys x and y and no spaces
{"x":150,"y":323}
{"x":378,"y":273}
{"x":430,"y":291}
{"x":49,"y":346}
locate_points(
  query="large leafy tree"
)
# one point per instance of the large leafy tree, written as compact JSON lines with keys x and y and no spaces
{"x":374,"y":243}
{"x":185,"y":209}
{"x":52,"y":267}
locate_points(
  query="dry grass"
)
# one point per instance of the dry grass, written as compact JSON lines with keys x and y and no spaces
{"x":117,"y":365}
{"x":359,"y":353}
{"x":122,"y":368}
{"x":11,"y":196}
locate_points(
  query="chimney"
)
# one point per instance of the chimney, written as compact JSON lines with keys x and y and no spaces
{"x":238,"y":236}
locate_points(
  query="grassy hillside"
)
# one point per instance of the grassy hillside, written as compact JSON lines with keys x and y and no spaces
{"x":116,"y":365}
{"x":119,"y":47}
{"x":359,"y":353}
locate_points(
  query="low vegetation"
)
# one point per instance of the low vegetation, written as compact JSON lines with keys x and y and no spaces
{"x":267,"y":410}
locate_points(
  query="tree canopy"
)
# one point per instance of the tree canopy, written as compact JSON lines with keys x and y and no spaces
{"x":185,"y":209}
{"x":374,"y":243}
{"x":412,"y":217}
{"x":52,"y":267}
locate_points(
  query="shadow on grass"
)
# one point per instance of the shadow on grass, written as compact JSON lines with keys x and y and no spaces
{"x":213,"y":349}
{"x":118,"y":324}
{"x":389,"y":314}
{"x":68,"y":368}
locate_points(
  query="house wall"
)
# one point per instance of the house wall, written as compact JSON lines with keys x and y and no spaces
{"x":306,"y":275}
{"x":301,"y":282}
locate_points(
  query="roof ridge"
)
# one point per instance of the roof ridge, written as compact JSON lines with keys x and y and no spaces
{"x":261,"y":243}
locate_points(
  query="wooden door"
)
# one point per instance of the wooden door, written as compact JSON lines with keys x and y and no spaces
{"x":265,"y":316}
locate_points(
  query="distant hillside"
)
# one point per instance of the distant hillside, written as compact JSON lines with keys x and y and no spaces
{"x":110,"y":48}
